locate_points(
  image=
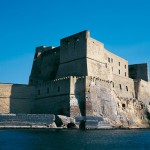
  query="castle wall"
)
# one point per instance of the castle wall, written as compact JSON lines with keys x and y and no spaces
{"x":73,"y":68}
{"x":45,"y":65}
{"x":99,"y":69}
{"x":99,"y":98}
{"x":73,"y":55}
{"x":16,"y":98}
{"x":124,"y":87}
{"x":142,"y":90}
{"x":139,"y":71}
{"x":104,"y":100}
{"x":77,"y":96}
{"x":119,"y":66}
{"x":73,"y":47}
{"x":53,"y":97}
{"x":97,"y":53}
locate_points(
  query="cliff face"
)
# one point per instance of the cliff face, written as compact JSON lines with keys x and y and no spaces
{"x":102,"y":100}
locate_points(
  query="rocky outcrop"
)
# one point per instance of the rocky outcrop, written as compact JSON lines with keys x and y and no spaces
{"x":65,"y":122}
{"x":103,"y":101}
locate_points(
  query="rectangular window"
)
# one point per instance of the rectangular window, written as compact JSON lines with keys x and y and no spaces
{"x":108,"y":59}
{"x":125,"y":74}
{"x":119,"y":71}
{"x":125,"y":66}
{"x":119,"y":63}
{"x":112,"y":68}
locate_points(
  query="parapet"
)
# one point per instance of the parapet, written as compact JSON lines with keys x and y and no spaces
{"x":41,"y":49}
{"x":139,"y":71}
{"x":84,"y":33}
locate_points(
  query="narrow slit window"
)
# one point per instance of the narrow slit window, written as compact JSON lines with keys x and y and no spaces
{"x":58,"y":89}
{"x":47,"y":90}
{"x":119,"y":63}
{"x":113,"y":84}
{"x":126,"y":88}
{"x":125,"y":74}
{"x":119,"y":71}
{"x":120,"y":86}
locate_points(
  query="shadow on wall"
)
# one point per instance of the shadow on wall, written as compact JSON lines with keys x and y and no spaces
{"x":22,"y":98}
{"x":80,"y":96}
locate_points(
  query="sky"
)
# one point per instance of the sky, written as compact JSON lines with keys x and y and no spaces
{"x":122,"y":25}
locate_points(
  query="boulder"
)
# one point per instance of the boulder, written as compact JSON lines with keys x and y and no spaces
{"x":64,"y":121}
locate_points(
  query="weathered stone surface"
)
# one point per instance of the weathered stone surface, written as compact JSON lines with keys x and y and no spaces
{"x":66,"y":122}
{"x":27,"y":119}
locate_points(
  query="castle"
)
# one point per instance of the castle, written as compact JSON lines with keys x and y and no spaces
{"x":81,"y":78}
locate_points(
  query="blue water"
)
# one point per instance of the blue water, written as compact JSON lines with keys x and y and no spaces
{"x":33,"y":139}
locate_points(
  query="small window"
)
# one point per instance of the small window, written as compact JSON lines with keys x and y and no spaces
{"x":111,"y":60}
{"x":119,"y":71}
{"x":58,"y":89}
{"x":123,"y":106}
{"x":125,"y":74}
{"x":126,"y":88}
{"x":47,"y":90}
{"x":39,"y":92}
{"x":125,"y":66}
{"x":120,"y":86}
{"x":119,"y":63}
{"x":108,"y":59}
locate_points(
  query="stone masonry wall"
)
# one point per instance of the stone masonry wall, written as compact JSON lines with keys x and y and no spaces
{"x":45,"y":66}
{"x":53,"y":97}
{"x":139,"y":71}
{"x":142,"y":90}
{"x":16,"y":98}
{"x":73,"y":55}
{"x":97,"y":53}
{"x":77,"y":96}
{"x":102,"y":100}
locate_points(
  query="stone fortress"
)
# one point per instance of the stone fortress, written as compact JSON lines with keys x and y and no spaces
{"x":80,"y":78}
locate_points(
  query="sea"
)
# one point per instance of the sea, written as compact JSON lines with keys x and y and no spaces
{"x":65,"y":139}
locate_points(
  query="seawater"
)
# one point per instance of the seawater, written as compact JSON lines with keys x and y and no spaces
{"x":43,"y":139}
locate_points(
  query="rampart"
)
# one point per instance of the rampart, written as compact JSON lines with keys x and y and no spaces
{"x":15,"y":98}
